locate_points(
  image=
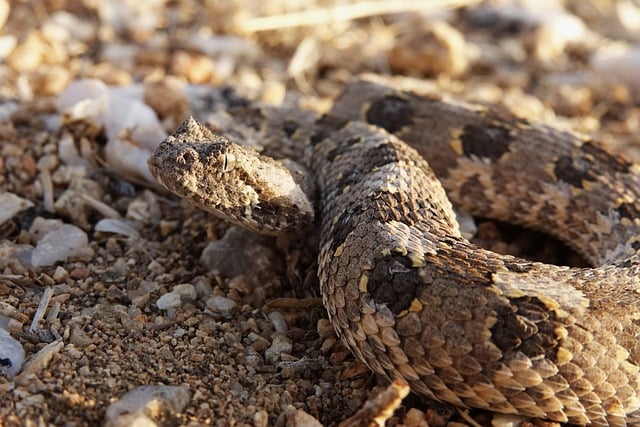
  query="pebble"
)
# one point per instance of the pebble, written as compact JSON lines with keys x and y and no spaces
{"x":145,"y":404}
{"x":177,"y":296}
{"x":299,"y":418}
{"x":240,"y":252}
{"x":221,"y":305}
{"x":280,"y":345}
{"x":123,"y":227}
{"x":60,"y":275}
{"x":620,"y":64}
{"x":38,"y":362}
{"x":66,"y":242}
{"x":79,"y":337}
{"x":508,"y":420}
{"x":430,"y":48}
{"x":279,"y":322}
{"x":168,"y":99}
{"x":11,"y":205}
{"x":11,"y":355}
{"x":325,"y":329}
{"x":132,"y":127}
{"x":261,"y":419}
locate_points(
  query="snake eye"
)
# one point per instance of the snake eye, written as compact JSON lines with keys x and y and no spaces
{"x":228,"y":161}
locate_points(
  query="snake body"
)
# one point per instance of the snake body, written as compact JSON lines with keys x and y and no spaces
{"x":404,"y":290}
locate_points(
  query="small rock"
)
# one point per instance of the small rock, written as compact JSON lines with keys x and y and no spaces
{"x":11,"y":205}
{"x":221,"y":305}
{"x":242,"y":252}
{"x":11,"y":355}
{"x":325,"y":329}
{"x":41,"y":226}
{"x":430,"y":48}
{"x":175,"y":298}
{"x":123,"y":227}
{"x":280,"y":345}
{"x":145,"y":404}
{"x":60,"y":275}
{"x":143,"y":209}
{"x":66,"y":242}
{"x":203,"y":287}
{"x":299,"y":418}
{"x":556,"y":31}
{"x":620,"y":64}
{"x":415,"y":418}
{"x":167,"y":227}
{"x":79,"y":338}
{"x":168,"y":99}
{"x":38,"y":362}
{"x":507,"y":420}
{"x":261,"y":419}
{"x":279,"y":322}
{"x":132,"y":128}
{"x":79,"y":273}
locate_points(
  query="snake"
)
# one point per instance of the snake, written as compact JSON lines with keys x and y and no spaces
{"x":409,"y":295}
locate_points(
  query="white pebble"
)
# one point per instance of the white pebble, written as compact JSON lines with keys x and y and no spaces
{"x":175,"y":298}
{"x":619,"y":63}
{"x":279,"y":322}
{"x":138,"y":405}
{"x":11,"y":355}
{"x":221,"y":305}
{"x":132,"y":127}
{"x":123,"y":227}
{"x":59,"y":245}
{"x":10,"y":205}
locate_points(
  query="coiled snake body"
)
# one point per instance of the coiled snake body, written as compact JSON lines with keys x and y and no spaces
{"x":407,"y":294}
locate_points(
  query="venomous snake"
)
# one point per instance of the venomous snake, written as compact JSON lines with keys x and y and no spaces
{"x":404,"y":290}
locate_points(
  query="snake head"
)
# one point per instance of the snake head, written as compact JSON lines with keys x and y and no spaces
{"x":231,"y":181}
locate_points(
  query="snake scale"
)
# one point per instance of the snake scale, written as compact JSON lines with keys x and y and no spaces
{"x":404,"y":290}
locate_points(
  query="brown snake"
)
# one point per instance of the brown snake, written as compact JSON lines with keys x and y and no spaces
{"x":408,"y":295}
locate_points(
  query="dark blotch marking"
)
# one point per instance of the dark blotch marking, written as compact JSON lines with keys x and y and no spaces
{"x":529,"y":328}
{"x":391,"y":113}
{"x":342,"y":148}
{"x":574,"y":171}
{"x":629,"y":211}
{"x":473,"y":189}
{"x":345,"y":225}
{"x":326,"y":125}
{"x":376,"y":157}
{"x":600,"y":156}
{"x":269,"y":213}
{"x":6,"y":362}
{"x":232,"y":98}
{"x":290,"y":127}
{"x":489,"y":142}
{"x":394,"y":282}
